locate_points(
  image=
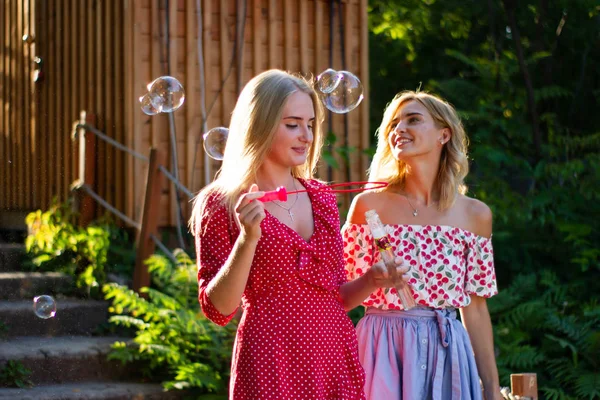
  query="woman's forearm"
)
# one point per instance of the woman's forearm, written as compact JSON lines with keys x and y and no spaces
{"x":353,"y":293}
{"x":476,"y":319}
{"x":226,"y":288}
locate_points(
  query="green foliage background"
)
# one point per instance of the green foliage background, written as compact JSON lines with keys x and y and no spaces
{"x":542,"y":188}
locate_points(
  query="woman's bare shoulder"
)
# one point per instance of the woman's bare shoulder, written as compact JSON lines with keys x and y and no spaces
{"x":363,"y":202}
{"x":478,"y":215}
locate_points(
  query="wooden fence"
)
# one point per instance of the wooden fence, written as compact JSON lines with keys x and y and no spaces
{"x":98,"y":56}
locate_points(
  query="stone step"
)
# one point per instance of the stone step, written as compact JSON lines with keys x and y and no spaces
{"x":95,"y":391}
{"x":21,"y":285}
{"x":11,"y":256}
{"x":65,"y":359}
{"x":73,"y":317}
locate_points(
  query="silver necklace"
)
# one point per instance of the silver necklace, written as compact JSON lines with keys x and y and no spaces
{"x":289,"y":210}
{"x":415,"y":211}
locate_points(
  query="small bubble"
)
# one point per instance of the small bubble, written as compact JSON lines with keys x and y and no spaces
{"x":346,"y":95}
{"x":166,"y":94}
{"x":44,"y":306}
{"x":328,"y":80}
{"x":215,"y":141}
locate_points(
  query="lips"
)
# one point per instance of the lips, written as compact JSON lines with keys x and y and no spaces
{"x":299,"y":150}
{"x":402,"y":141}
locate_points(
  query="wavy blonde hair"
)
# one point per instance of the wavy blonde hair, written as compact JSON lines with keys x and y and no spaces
{"x":254,"y":121}
{"x":454,"y":165}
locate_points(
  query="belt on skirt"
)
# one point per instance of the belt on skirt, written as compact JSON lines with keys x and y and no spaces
{"x":444,"y":318}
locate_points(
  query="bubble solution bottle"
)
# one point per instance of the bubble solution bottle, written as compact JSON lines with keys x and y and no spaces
{"x":382,"y":241}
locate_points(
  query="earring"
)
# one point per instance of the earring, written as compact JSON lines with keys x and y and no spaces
{"x":441,"y":140}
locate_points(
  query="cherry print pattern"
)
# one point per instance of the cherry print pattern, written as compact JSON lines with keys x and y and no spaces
{"x":448,"y":264}
{"x":294,"y":340}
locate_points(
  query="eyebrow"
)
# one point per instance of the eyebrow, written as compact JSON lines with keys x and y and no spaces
{"x":298,"y":118}
{"x":407,"y":115}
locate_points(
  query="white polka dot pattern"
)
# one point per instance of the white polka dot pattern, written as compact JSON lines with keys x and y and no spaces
{"x":294,"y":340}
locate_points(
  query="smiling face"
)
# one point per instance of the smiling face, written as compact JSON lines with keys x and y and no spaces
{"x":413,"y":132}
{"x":294,"y":135}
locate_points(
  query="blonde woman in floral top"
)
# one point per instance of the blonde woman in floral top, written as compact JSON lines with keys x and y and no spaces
{"x":445,"y":238}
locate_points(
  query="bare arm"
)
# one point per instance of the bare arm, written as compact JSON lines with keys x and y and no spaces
{"x":226,"y":288}
{"x":353,"y":293}
{"x":476,"y":319}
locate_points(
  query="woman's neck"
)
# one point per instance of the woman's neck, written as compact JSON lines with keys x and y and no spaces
{"x":272,"y":178}
{"x":419,"y":183}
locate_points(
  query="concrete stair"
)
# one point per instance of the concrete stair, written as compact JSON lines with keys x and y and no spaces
{"x":73,"y":317}
{"x":91,"y":391}
{"x":65,"y":359}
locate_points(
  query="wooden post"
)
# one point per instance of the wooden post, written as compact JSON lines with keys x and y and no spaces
{"x":150,"y":218}
{"x":524,"y":385}
{"x":87,"y":168}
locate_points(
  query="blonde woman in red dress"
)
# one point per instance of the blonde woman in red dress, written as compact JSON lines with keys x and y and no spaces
{"x":283,"y":260}
{"x":445,"y":237}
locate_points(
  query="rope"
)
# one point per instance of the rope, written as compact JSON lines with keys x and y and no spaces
{"x":118,"y":145}
{"x":176,"y":182}
{"x":109,"y":207}
{"x":164,"y":249}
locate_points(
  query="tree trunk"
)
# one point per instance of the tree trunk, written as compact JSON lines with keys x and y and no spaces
{"x":510,"y":6}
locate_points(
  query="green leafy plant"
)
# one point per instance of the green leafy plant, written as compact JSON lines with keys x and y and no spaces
{"x":57,"y":243}
{"x":15,"y":374}
{"x":176,"y":342}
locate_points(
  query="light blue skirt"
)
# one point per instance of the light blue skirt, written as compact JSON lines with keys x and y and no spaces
{"x":420,"y":354}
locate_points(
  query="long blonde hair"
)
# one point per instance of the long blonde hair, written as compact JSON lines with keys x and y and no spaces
{"x":254,"y":121}
{"x":454,"y":165}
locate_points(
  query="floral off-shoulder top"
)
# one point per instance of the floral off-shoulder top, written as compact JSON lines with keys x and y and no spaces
{"x":448,"y":264}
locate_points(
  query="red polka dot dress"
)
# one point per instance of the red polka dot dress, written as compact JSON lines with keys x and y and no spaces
{"x":294,"y":340}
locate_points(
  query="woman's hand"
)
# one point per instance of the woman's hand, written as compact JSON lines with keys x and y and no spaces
{"x":380,"y":278}
{"x":249,"y":212}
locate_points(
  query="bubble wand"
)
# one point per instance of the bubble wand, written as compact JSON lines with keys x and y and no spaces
{"x":281,"y":193}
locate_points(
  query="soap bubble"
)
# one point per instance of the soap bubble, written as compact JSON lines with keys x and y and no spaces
{"x":166,"y":94}
{"x":214,"y":142}
{"x":44,"y":306}
{"x":147,"y":106}
{"x":346,"y":95}
{"x":328,"y":80}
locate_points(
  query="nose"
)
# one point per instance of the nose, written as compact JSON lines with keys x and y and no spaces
{"x":307,"y":135}
{"x":399,"y":128}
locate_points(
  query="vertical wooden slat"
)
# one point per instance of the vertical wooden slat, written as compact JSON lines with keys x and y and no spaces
{"x":108,"y":102}
{"x":4,"y":164}
{"x":193,"y":130}
{"x":302,"y":34}
{"x":17,"y":51}
{"x":288,"y":38}
{"x":128,"y":104}
{"x":60,"y":98}
{"x":12,"y":159}
{"x":63,"y":92}
{"x":257,"y":25}
{"x":155,"y":67}
{"x":27,"y":186}
{"x":49,"y":87}
{"x":42,"y":94}
{"x":173,"y":68}
{"x":75,"y":82}
{"x":319,"y":54}
{"x":91,"y":43}
{"x":33,"y":104}
{"x":272,"y":34}
{"x":159,"y":123}
{"x":225,"y":51}
{"x":207,"y":23}
{"x":119,"y":105}
{"x":364,"y":71}
{"x":100,"y":110}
